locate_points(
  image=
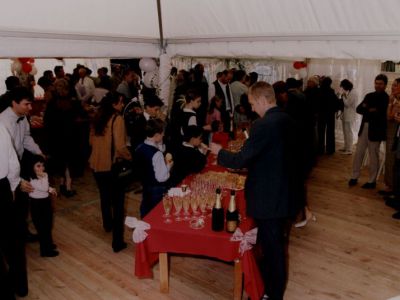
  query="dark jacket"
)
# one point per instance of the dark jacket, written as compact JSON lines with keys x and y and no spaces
{"x":273,"y":186}
{"x":187,"y":160}
{"x":378,"y":103}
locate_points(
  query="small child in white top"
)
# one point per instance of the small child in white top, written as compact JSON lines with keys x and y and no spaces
{"x":41,"y":208}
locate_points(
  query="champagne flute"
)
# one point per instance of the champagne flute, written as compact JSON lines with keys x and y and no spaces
{"x":194,"y":203}
{"x":178,"y":206}
{"x":186,"y":204}
{"x":167,"y":202}
{"x":203,"y":204}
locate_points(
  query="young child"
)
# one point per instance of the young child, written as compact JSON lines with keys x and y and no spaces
{"x":190,"y":157}
{"x":218,"y":134}
{"x":41,"y":209}
{"x":155,"y":168}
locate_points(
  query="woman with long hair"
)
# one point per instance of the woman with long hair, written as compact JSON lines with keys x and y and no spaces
{"x":108,"y":141}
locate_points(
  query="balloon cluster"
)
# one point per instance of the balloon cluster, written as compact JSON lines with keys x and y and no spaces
{"x":23,"y":65}
{"x":149,"y":66}
{"x":299,"y":65}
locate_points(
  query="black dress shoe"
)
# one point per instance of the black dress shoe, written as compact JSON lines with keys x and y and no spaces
{"x":396,"y":215}
{"x":353,"y":182}
{"x":49,"y":253}
{"x":22,"y":292}
{"x":120,"y":246}
{"x":369,"y":185}
{"x":385,"y":193}
{"x":393,"y":203}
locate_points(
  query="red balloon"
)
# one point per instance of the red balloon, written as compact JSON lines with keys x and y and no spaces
{"x":23,"y":60}
{"x":27,"y":68}
{"x":297,"y":65}
{"x":31,"y":60}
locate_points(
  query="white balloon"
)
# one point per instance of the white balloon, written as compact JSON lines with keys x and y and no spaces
{"x":147,"y":64}
{"x":34,"y":70}
{"x":303,"y":72}
{"x":151,"y":79}
{"x":16,"y":67}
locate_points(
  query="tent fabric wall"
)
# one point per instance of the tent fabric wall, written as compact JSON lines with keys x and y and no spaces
{"x":364,"y":29}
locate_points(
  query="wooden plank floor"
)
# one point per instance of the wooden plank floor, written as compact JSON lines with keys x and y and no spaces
{"x":351,"y":252}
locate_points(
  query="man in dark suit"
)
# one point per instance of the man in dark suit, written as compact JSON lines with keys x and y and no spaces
{"x":273,"y":183}
{"x":372,"y":131}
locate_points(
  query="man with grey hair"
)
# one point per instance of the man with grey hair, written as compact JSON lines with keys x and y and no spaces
{"x":273,"y":183}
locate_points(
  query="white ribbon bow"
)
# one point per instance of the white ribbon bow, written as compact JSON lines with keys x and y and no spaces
{"x":247,"y":240}
{"x":139,"y":234}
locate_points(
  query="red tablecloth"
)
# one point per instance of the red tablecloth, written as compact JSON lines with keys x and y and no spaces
{"x":178,"y":237}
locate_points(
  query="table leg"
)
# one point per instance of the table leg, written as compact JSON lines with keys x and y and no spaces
{"x":163,"y":263}
{"x":238,"y":280}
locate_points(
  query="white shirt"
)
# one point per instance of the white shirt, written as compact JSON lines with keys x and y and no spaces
{"x":237,"y":90}
{"x":211,"y":93}
{"x":161,"y":169}
{"x":85,"y":89}
{"x":19,"y":132}
{"x":192,"y":120}
{"x":146,"y":115}
{"x":9,"y":163}
{"x":41,"y":187}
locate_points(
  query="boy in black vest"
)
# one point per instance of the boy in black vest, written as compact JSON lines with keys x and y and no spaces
{"x":154,"y":166}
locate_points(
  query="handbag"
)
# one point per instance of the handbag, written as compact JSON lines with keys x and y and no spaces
{"x":121,"y":168}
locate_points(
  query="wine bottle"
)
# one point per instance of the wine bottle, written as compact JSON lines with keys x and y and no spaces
{"x":217,"y":222}
{"x":232,"y":215}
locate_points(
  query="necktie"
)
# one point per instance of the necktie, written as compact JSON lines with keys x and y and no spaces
{"x":20,"y":119}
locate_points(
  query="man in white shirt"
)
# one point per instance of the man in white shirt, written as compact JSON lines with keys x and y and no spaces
{"x":15,"y":121}
{"x":221,"y":88}
{"x":84,"y":87}
{"x":13,"y":273}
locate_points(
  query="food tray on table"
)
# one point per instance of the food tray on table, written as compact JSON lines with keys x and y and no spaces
{"x":225,"y":180}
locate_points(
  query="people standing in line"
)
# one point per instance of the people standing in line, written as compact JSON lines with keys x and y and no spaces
{"x":328,"y":106}
{"x":13,"y":272}
{"x":272,"y":186}
{"x":372,"y":131}
{"x":108,"y":141}
{"x":349,"y":98}
{"x":393,"y":109}
{"x":155,"y":168}
{"x":41,"y":207}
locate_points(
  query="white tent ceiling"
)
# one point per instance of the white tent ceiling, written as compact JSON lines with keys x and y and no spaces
{"x":367,"y":29}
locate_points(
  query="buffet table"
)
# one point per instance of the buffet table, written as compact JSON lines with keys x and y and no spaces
{"x":179,"y":237}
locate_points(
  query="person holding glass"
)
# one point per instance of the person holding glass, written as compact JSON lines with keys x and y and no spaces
{"x":349,"y":98}
{"x":108,"y":141}
{"x":155,"y":168}
{"x":273,"y":188}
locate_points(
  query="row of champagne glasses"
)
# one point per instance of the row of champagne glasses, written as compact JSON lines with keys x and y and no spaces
{"x":190,"y":204}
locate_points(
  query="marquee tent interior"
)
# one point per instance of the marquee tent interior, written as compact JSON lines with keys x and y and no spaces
{"x":342,"y":39}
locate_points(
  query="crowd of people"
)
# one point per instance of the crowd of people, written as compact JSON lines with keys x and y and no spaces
{"x":100,"y":120}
